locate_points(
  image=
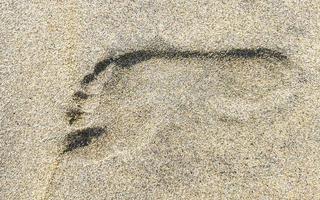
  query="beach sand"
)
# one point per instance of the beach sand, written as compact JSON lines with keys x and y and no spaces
{"x":223,"y":105}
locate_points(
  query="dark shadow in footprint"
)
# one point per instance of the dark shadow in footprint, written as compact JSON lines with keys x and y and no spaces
{"x":129,"y":59}
{"x":82,"y":138}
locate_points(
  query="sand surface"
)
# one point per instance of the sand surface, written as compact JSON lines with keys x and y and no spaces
{"x":191,"y":99}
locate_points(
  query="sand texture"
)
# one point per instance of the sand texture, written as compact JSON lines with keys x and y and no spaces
{"x":160,"y":99}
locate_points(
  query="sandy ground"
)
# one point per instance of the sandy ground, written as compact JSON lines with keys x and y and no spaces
{"x":183,"y":128}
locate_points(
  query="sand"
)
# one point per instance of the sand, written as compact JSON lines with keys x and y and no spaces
{"x":188,"y":126}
